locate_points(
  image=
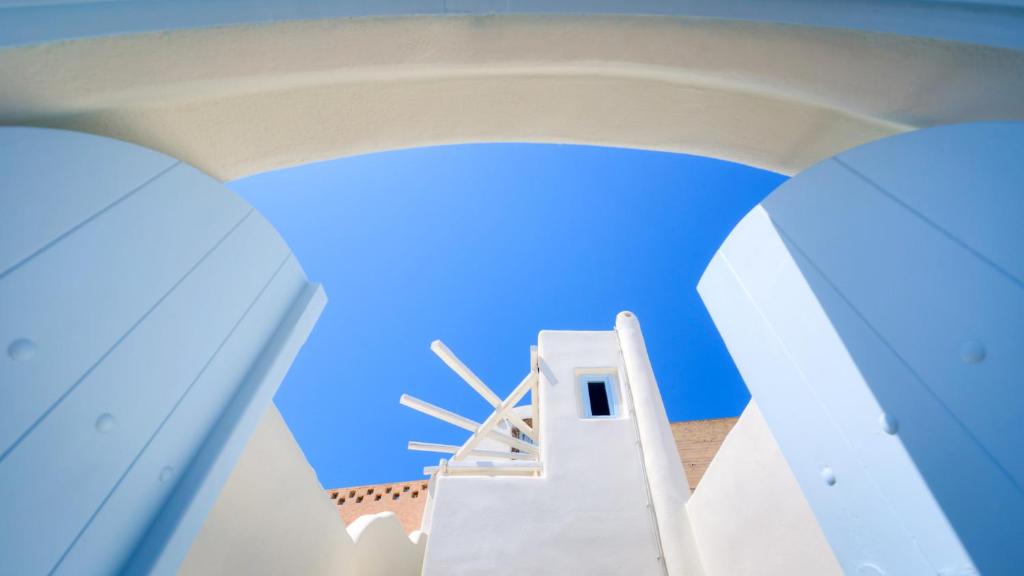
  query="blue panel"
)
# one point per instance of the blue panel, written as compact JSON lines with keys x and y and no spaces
{"x":120,"y":523}
{"x":77,"y":299}
{"x":974,"y":198}
{"x":39,"y":204}
{"x":170,"y":536}
{"x":761,"y":291}
{"x":923,"y":292}
{"x":137,"y":326}
{"x":872,"y":305}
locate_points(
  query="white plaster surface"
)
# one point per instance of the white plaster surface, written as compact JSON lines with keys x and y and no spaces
{"x":382,"y":547}
{"x":668,"y":485}
{"x":272,"y":518}
{"x":749,"y":515}
{"x":585,"y":515}
{"x":238,"y":100}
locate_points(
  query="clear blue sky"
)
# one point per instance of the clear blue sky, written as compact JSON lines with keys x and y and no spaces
{"x":483,"y":246}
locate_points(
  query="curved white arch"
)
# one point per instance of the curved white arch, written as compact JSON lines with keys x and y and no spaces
{"x":240,"y":100}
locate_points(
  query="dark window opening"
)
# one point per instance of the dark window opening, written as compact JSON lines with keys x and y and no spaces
{"x":598,"y":394}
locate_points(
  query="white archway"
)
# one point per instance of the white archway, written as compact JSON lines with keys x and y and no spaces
{"x":247,"y":99}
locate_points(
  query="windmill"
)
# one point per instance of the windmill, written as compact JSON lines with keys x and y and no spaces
{"x":523,"y":456}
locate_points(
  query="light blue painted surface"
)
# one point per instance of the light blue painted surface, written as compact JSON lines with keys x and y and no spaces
{"x":991,"y":23}
{"x":161,"y":313}
{"x":873,"y":307}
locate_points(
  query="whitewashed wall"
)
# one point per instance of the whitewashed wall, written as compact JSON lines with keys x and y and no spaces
{"x":587,"y":514}
{"x":147,"y":314}
{"x":748,"y":514}
{"x":382,"y":548}
{"x":273,"y":518}
{"x":874,"y":305}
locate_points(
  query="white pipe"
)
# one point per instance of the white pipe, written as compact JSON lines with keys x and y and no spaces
{"x":669,"y":488}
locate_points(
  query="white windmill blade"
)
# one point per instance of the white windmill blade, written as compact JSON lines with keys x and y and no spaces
{"x":457,"y":366}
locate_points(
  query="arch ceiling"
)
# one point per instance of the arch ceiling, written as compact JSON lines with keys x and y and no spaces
{"x":252,"y":97}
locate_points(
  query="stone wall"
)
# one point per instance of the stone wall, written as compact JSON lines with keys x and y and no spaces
{"x":697,"y":442}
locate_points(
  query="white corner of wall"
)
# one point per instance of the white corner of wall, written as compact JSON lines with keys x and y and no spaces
{"x":749,"y":515}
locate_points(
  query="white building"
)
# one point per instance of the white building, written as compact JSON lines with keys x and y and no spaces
{"x":589,"y":508}
{"x":602,"y":490}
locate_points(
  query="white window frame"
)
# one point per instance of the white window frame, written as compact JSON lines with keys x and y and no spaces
{"x":611,"y":388}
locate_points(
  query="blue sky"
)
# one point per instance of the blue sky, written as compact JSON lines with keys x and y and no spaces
{"x":483,"y":246}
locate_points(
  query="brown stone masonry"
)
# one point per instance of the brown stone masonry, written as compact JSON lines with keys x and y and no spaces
{"x":405,"y":499}
{"x":697,"y":442}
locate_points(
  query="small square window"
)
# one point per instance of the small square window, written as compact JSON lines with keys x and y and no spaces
{"x":359,"y":500}
{"x":598,"y":394}
{"x":395,"y":496}
{"x":598,"y":397}
{"x":416,"y":494}
{"x":377,"y":498}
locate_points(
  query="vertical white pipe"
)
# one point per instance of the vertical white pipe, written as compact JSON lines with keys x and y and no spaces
{"x":667,"y":482}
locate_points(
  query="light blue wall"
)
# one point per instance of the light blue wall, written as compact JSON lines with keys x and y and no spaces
{"x":147,"y":314}
{"x":874,"y":305}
